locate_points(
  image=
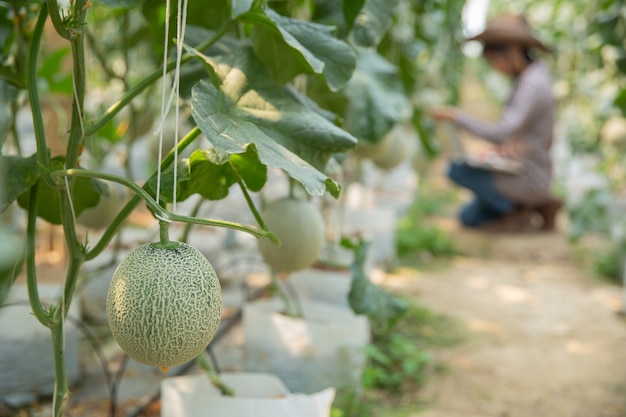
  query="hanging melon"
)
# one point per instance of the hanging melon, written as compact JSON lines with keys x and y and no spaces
{"x":393,"y":149}
{"x":164,"y":304}
{"x":300,"y":228}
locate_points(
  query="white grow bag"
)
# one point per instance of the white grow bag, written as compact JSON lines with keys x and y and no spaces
{"x":325,"y":348}
{"x":256,"y":395}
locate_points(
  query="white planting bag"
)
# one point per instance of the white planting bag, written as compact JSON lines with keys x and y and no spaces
{"x":325,"y":348}
{"x":256,"y":395}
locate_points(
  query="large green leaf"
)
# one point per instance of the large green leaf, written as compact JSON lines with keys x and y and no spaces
{"x":18,"y":175}
{"x":85,"y":194}
{"x":376,"y":98}
{"x":210,"y":173}
{"x":312,"y":45}
{"x":372,"y":22}
{"x":250,"y":108}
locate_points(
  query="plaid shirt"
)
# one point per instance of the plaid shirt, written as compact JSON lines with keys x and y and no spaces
{"x":524,"y":131}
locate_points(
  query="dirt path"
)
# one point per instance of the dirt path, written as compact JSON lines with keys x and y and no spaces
{"x":544,"y":336}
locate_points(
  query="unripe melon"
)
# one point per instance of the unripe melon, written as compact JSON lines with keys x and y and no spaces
{"x":164,"y":304}
{"x":393,"y":149}
{"x":300,"y":228}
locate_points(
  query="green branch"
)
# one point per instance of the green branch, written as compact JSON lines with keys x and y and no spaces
{"x":110,"y":231}
{"x":33,"y":91}
{"x":31,"y":271}
{"x":57,"y":22}
{"x":159,"y":212}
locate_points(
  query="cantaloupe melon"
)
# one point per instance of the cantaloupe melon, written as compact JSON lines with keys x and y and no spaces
{"x":392,"y":149}
{"x":300,"y":228}
{"x":164,"y":304}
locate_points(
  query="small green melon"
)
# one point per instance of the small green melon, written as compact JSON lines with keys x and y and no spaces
{"x":393,"y":149}
{"x":300,"y":227}
{"x":164,"y":304}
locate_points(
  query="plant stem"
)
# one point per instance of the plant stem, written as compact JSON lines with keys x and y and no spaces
{"x":164,"y":233}
{"x":253,"y":208}
{"x":33,"y":91}
{"x":214,"y":377}
{"x":77,"y":132}
{"x":61,"y":390}
{"x":280,"y":290}
{"x":110,"y":232}
{"x":31,"y":272}
{"x":161,"y":213}
{"x":194,"y":213}
{"x":150,"y":79}
{"x":57,"y":22}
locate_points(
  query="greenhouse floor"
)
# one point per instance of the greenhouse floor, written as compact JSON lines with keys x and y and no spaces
{"x":546,"y":338}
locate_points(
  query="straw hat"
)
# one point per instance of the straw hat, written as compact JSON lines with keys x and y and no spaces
{"x":508,"y":28}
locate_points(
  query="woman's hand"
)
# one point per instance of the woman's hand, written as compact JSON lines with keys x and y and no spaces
{"x":444,"y":114}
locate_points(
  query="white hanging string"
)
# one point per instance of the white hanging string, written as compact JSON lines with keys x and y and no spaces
{"x":163,"y":104}
{"x":181,"y":26}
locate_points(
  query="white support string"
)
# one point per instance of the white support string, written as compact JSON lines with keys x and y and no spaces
{"x":181,"y":26}
{"x":163,"y":105}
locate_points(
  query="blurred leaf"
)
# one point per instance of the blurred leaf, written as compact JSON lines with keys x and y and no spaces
{"x":11,"y":260}
{"x":239,"y":7}
{"x":251,"y":109}
{"x":313,"y":45}
{"x":376,"y":99}
{"x":351,"y":9}
{"x":10,"y":77}
{"x":372,"y":22}
{"x":85,"y":194}
{"x":620,"y":101}
{"x":382,"y":308}
{"x":19,"y":174}
{"x":50,"y":69}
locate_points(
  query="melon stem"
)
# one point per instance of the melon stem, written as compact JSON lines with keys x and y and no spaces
{"x":164,"y":235}
{"x":282,"y":293}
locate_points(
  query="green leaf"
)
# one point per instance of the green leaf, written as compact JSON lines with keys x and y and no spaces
{"x":382,"y":308}
{"x":372,"y":22}
{"x":210,"y":173}
{"x":250,"y":169}
{"x":239,"y":7}
{"x":214,"y":172}
{"x":59,"y":81}
{"x":19,"y":174}
{"x":11,"y":260}
{"x":313,"y":44}
{"x":351,"y":9}
{"x":250,"y":108}
{"x":376,"y":98}
{"x":85,"y":194}
{"x":10,"y":77}
{"x":166,"y":183}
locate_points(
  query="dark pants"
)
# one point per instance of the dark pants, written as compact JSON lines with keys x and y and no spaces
{"x":488,"y":203}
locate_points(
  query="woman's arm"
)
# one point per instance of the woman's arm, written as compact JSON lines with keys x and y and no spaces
{"x":531,"y":92}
